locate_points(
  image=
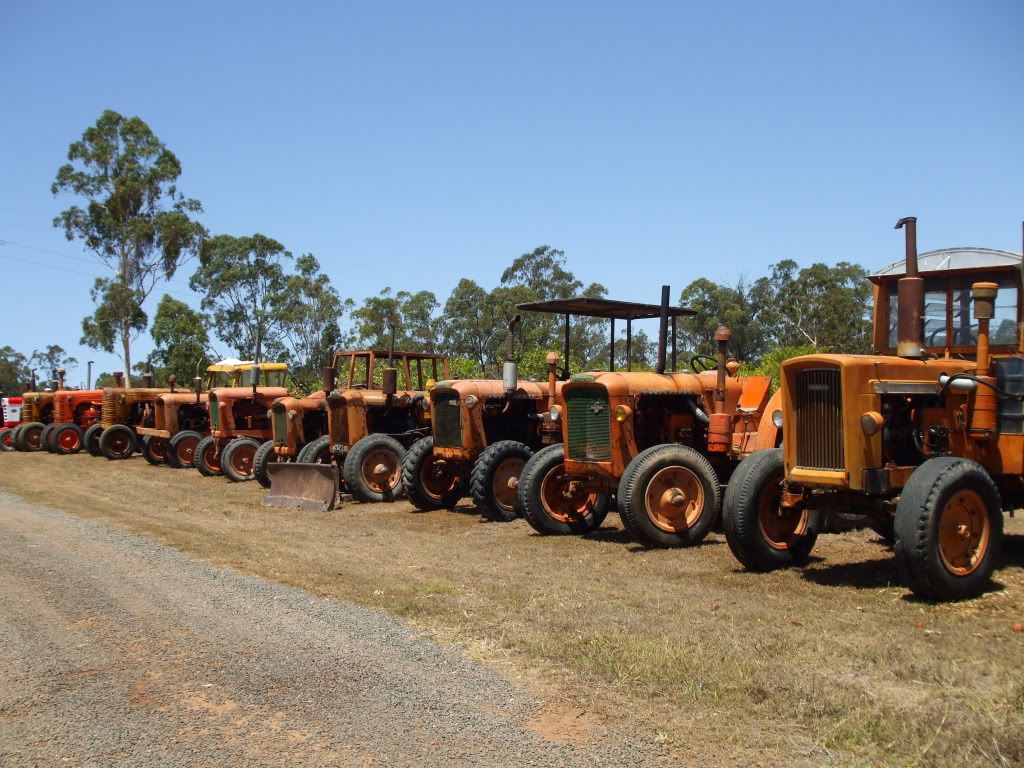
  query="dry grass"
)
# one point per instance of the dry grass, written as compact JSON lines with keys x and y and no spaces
{"x":831,"y":665}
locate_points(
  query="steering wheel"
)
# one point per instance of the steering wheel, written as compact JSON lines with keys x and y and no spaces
{"x":360,"y":385}
{"x":701,"y":363}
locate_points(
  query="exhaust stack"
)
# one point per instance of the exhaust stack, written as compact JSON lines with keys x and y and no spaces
{"x":510,"y":370}
{"x":663,"y":329}
{"x":910,"y":293}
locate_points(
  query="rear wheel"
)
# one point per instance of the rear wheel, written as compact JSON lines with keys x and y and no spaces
{"x":7,"y":439}
{"x":154,"y":450}
{"x":118,"y":442}
{"x":92,"y":440}
{"x":29,"y":436}
{"x":949,"y":527}
{"x":495,"y":478}
{"x":181,"y":451}
{"x":373,"y":469}
{"x":668,"y":496}
{"x":67,"y":438}
{"x":237,"y":459}
{"x":207,"y":457}
{"x":552,"y":502}
{"x":264,"y":455}
{"x":762,"y":534}
{"x":431,"y":483}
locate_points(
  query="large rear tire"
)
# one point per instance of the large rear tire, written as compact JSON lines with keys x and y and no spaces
{"x":762,"y":534}
{"x":154,"y":450}
{"x":373,"y":469}
{"x":238,"y":458}
{"x":668,"y":496}
{"x":431,"y":483}
{"x":29,"y":437}
{"x":264,"y":455}
{"x":118,"y":442}
{"x":92,"y":440}
{"x":67,"y":439}
{"x":207,"y":457}
{"x":181,"y":451}
{"x":949,"y":529}
{"x":551,"y":503}
{"x":495,"y":478}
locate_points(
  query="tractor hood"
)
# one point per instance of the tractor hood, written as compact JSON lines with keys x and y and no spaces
{"x":492,"y":388}
{"x":224,"y":394}
{"x":317,"y":401}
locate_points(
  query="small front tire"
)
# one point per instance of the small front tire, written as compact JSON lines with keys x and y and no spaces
{"x":237,"y":459}
{"x":431,"y":483}
{"x":551,"y":503}
{"x":92,"y":440}
{"x":373,"y":469}
{"x":207,"y":457}
{"x":118,"y":442}
{"x":67,"y":439}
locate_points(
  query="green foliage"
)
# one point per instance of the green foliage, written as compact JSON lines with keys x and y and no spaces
{"x":14,"y":371}
{"x":132,"y":218}
{"x":463,"y":368}
{"x":47,"y":361}
{"x":733,"y":306}
{"x":410,"y":315}
{"x":245,"y":290}
{"x":181,"y":341}
{"x":772,"y":361}
{"x":104,"y":380}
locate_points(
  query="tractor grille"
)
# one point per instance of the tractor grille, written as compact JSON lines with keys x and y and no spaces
{"x":280,"y":426}
{"x":108,"y":416}
{"x":214,"y":412}
{"x":588,"y":424}
{"x":447,"y":419}
{"x":818,"y":411}
{"x":28,"y":410}
{"x":61,"y":410}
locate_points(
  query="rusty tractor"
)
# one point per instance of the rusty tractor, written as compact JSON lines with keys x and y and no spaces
{"x":36,"y":414}
{"x":125,"y":409}
{"x":662,"y":443}
{"x":74,"y":411}
{"x":370,"y":425}
{"x":924,"y":438}
{"x":240,"y":422}
{"x":11,"y":419}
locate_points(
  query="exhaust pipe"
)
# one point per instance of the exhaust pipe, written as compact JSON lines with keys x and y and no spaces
{"x":60,"y":378}
{"x":910,"y":293}
{"x":720,"y":423}
{"x":389,"y":379}
{"x":510,"y":370}
{"x":197,"y":384}
{"x":663,"y":329}
{"x":147,"y":379}
{"x":328,"y":376}
{"x":255,"y":370}
{"x":171,"y":381}
{"x":119,"y":379}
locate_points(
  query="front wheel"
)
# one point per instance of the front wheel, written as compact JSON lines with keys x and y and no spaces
{"x":29,"y":436}
{"x":154,"y":450}
{"x":495,"y":478}
{"x":762,"y":534}
{"x":92,"y":440}
{"x":949,"y":528}
{"x":47,"y":438}
{"x":118,"y":442}
{"x":237,"y":459}
{"x":373,"y":469}
{"x":264,"y":455}
{"x":430,"y":482}
{"x":669,"y":497}
{"x":181,"y":450}
{"x":67,"y":439}
{"x":207,"y":457}
{"x":7,"y":439}
{"x":552,"y":502}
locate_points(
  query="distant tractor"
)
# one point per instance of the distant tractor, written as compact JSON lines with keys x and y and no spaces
{"x":125,"y":409}
{"x":924,"y":437}
{"x":36,"y":413}
{"x":11,"y":419}
{"x":662,"y":443}
{"x":74,"y":411}
{"x":240,"y":422}
{"x":370,"y":425}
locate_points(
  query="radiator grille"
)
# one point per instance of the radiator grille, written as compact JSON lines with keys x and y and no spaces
{"x":214,"y":412}
{"x":109,"y":415}
{"x":588,"y":424}
{"x":280,"y":425}
{"x":61,"y":409}
{"x":818,"y":411}
{"x":447,"y":420}
{"x":28,"y":409}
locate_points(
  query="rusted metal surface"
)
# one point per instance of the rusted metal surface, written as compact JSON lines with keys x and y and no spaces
{"x":305,"y":486}
{"x":910,"y":324}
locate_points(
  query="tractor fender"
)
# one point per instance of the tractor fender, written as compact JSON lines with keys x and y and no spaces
{"x":768,"y":435}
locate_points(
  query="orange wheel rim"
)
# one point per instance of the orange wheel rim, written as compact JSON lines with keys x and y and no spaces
{"x":186,"y":450}
{"x":780,"y":528}
{"x":674,"y":499}
{"x":964,"y":533}
{"x":8,"y":440}
{"x":437,"y":479}
{"x":212,"y":458}
{"x":505,"y":482}
{"x":158,"y":449}
{"x":563,"y":500}
{"x":68,"y":440}
{"x":381,"y":470}
{"x":242,"y":458}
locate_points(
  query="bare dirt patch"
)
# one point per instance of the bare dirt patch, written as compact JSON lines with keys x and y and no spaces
{"x":833,"y":664}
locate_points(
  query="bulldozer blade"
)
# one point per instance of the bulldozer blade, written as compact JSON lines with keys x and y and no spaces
{"x":307,"y":486}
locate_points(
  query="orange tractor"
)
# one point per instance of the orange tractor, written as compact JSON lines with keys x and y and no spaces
{"x":370,"y":425}
{"x":662,"y":443}
{"x":924,"y":438}
{"x":240,"y":422}
{"x":36,"y":414}
{"x":74,"y":411}
{"x":124,"y":410}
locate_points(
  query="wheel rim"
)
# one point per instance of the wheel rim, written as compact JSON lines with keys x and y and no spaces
{"x":674,"y":499}
{"x":437,"y":478}
{"x":185,"y":450}
{"x":381,"y":470}
{"x":158,"y":449}
{"x":562,"y":500}
{"x":780,"y":528}
{"x":33,"y":439}
{"x":8,"y":439}
{"x":241,"y":458}
{"x":119,"y":443}
{"x":964,"y":532}
{"x":69,"y":440}
{"x":505,"y":482}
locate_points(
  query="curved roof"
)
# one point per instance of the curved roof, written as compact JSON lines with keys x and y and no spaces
{"x":955,"y":258}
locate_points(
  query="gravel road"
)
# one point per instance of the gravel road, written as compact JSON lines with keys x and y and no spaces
{"x":116,"y":651}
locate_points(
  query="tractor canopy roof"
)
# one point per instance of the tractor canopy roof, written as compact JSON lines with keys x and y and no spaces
{"x":606,"y":308}
{"x":953,"y":260}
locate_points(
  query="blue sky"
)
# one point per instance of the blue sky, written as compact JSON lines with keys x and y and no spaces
{"x":412,"y":144}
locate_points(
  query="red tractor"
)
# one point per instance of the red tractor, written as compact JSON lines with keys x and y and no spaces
{"x":11,"y":419}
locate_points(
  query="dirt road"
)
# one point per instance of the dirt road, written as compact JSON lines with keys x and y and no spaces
{"x":117,"y":651}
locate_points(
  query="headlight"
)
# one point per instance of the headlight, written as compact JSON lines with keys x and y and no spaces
{"x":777,"y":418}
{"x":622,"y":413}
{"x":554,"y":413}
{"x":470,"y":401}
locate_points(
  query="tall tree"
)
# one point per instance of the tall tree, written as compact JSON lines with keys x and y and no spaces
{"x":181,"y":342}
{"x":411,"y":314}
{"x":733,"y":306}
{"x":48,"y":360}
{"x":245,"y":288}
{"x":134,"y":220}
{"x":14,"y":371}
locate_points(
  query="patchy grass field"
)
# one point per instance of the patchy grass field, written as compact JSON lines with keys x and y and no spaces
{"x":831,"y":665}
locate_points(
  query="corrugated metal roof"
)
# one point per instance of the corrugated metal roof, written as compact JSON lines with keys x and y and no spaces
{"x":955,"y":258}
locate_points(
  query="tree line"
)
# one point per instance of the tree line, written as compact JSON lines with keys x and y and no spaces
{"x":261,"y":302}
